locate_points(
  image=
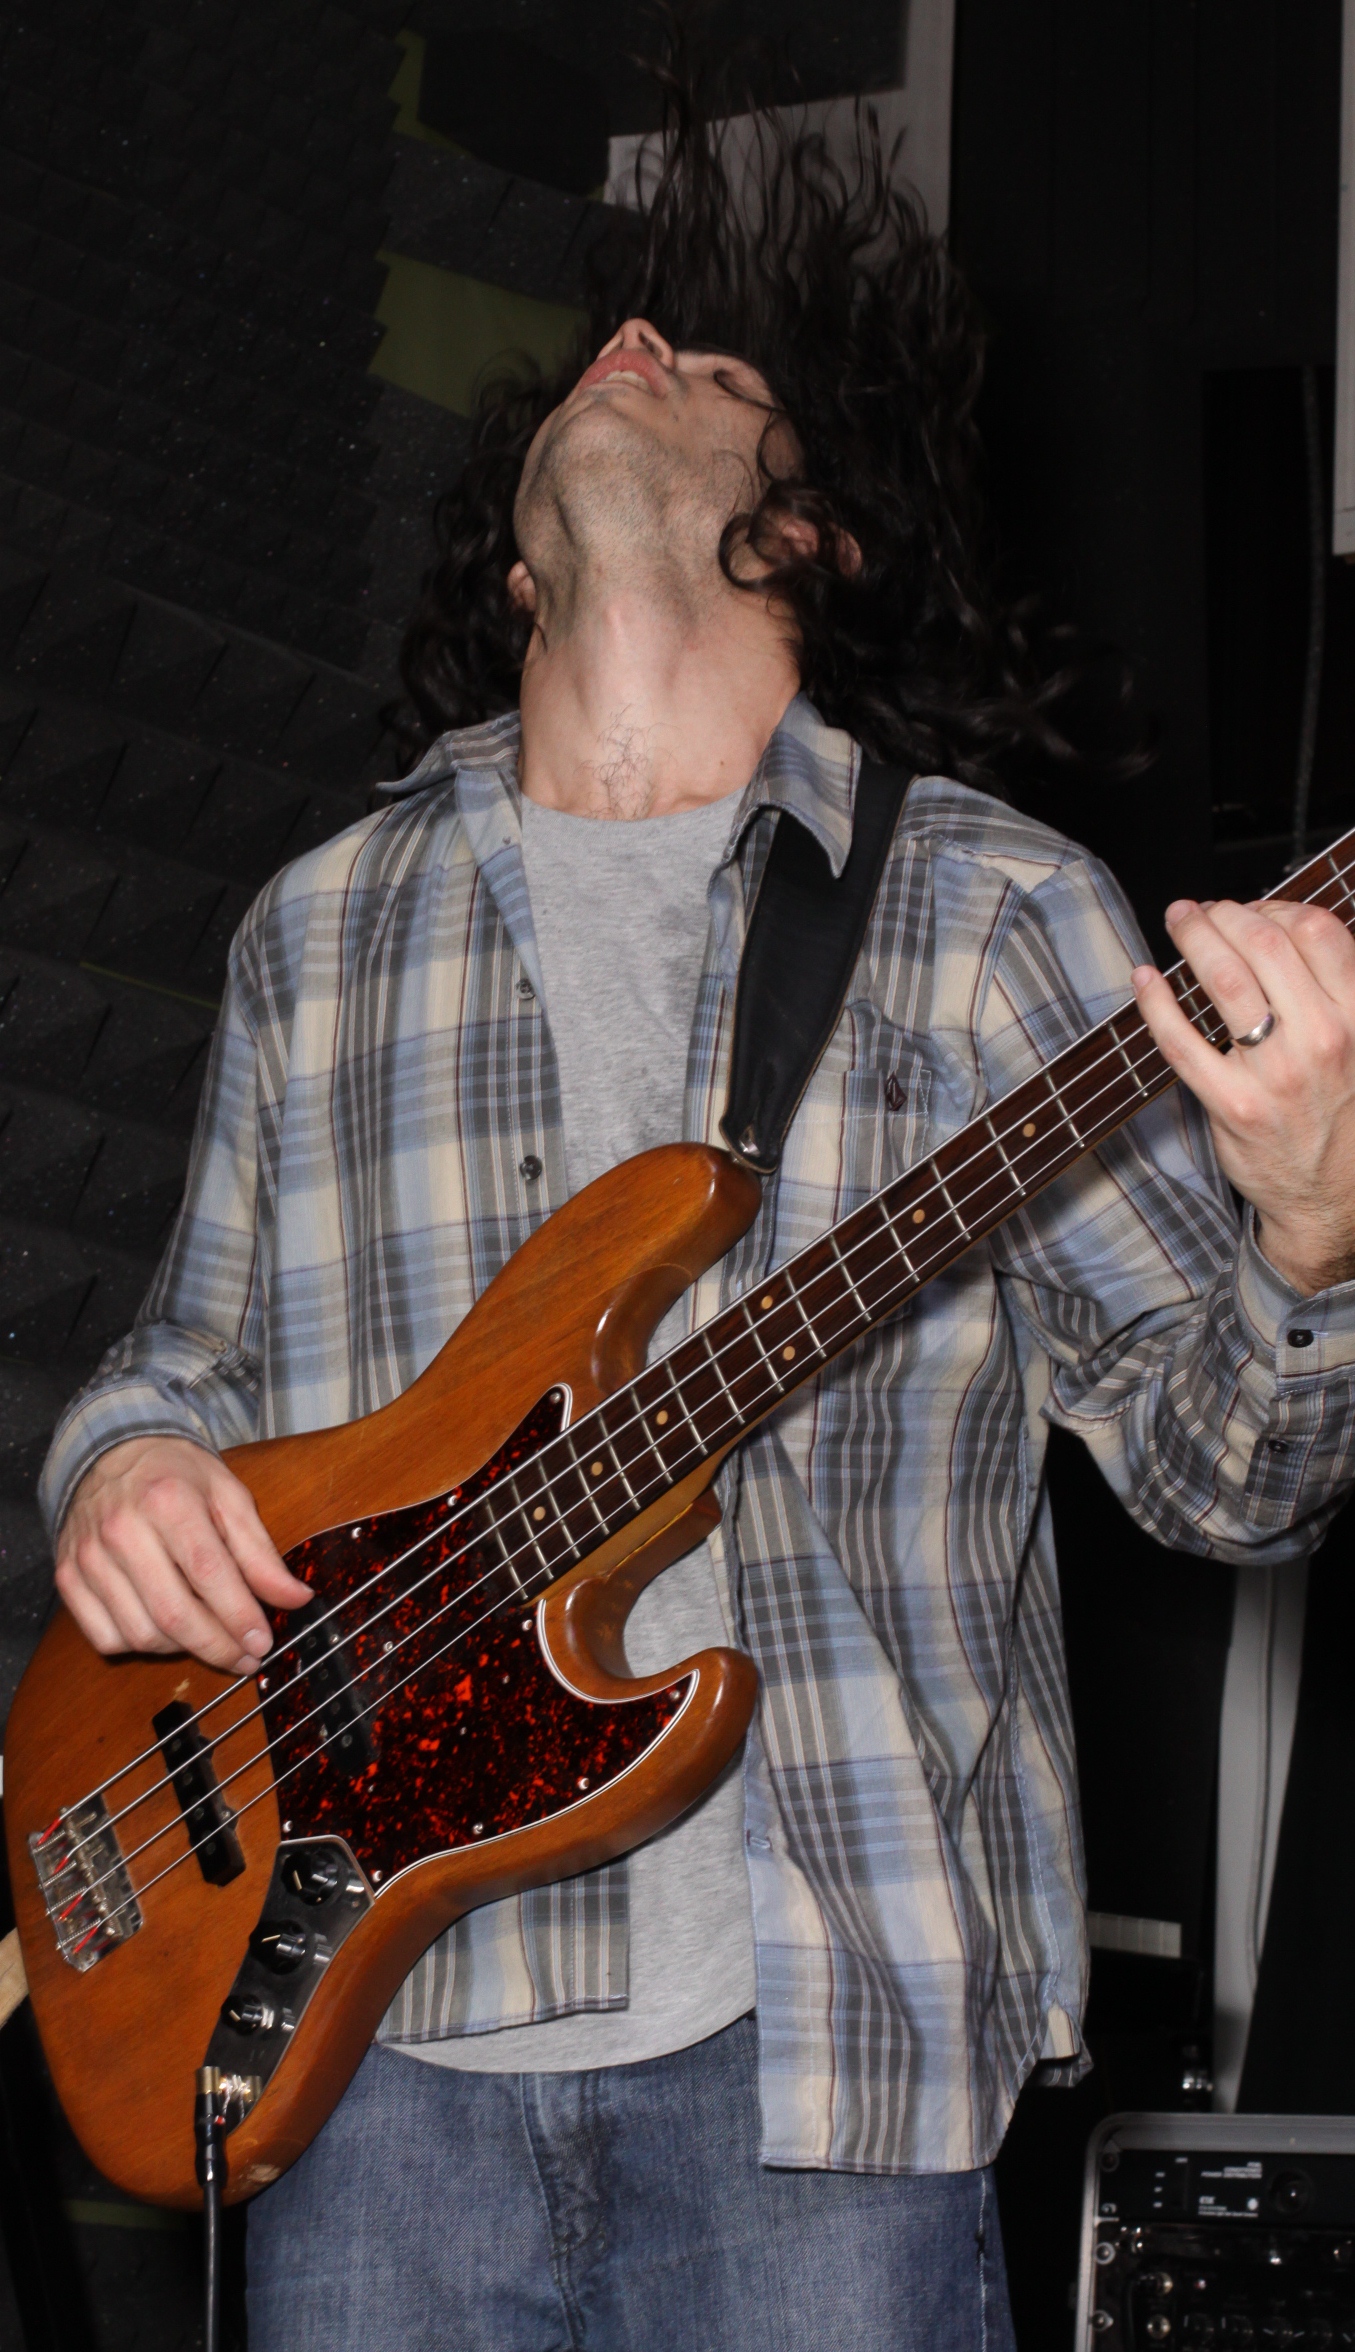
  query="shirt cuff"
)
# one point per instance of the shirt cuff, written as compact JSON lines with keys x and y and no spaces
{"x":94,"y":1424}
{"x":1306,"y":1336}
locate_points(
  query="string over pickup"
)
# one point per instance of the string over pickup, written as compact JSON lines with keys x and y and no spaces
{"x":207,"y":1817}
{"x":323,"y":1659}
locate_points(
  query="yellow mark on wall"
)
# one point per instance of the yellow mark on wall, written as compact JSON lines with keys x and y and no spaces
{"x":445,"y":332}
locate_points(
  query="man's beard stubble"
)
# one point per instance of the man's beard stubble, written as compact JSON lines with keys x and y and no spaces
{"x":608,"y":506}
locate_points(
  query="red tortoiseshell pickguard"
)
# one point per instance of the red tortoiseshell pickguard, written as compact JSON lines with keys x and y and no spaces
{"x":470,"y":1733}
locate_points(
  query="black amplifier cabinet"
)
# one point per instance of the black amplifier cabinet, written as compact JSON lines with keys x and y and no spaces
{"x":1232,"y":2232}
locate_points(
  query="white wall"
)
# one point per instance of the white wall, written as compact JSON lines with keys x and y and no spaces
{"x":919,"y":109}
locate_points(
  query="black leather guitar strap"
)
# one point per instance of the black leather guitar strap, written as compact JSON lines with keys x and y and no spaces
{"x":803,"y":939}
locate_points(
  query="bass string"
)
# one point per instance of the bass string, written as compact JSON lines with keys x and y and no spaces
{"x":508,"y":1602}
{"x":1118,"y":1060}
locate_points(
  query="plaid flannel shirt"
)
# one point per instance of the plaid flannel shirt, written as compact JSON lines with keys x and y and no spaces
{"x":381,"y":1128}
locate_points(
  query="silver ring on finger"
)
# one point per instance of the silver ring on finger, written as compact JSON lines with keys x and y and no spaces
{"x":1259,"y":1034}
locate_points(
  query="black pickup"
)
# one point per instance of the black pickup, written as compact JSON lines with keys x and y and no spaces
{"x":207,"y":1817}
{"x":331,"y":1690}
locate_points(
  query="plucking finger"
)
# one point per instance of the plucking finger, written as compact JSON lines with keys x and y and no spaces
{"x":148,"y":1557}
{"x":260,"y":1563}
{"x":87,"y":1609}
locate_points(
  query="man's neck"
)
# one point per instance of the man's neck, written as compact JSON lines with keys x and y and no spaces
{"x":638,"y":709}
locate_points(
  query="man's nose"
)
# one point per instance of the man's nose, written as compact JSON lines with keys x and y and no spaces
{"x":637,"y":334}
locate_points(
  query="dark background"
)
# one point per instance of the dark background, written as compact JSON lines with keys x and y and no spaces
{"x":213,"y":516}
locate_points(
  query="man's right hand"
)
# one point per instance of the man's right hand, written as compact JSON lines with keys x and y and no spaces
{"x":162,"y":1548}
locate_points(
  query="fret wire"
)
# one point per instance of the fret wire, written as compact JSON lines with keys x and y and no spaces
{"x":1124,"y":1057}
{"x":1064,"y":1112}
{"x":831,"y":1239}
{"x":715,"y":1367}
{"x":756,"y":1337}
{"x":778,"y":1384}
{"x":1007,"y":1163}
{"x":631,"y":1424}
{"x":619,"y":1467}
{"x":548,"y":1495}
{"x":675,"y":1392}
{"x":604,"y":1523}
{"x":496,"y":1531}
{"x":798,"y":1303}
{"x":891,"y":1228}
{"x":945,"y":1195}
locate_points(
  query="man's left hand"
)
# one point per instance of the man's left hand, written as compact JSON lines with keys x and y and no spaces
{"x":1283,"y":1111}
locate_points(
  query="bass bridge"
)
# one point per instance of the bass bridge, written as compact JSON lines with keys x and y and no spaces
{"x":85,"y":1884}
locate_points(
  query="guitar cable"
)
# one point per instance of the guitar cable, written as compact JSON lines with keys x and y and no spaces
{"x":209,"y":2128}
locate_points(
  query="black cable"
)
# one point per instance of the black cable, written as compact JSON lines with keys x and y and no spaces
{"x":1317,"y":616}
{"x":209,"y":2135}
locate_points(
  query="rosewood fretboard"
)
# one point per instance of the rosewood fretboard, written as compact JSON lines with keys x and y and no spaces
{"x":588,"y":1483}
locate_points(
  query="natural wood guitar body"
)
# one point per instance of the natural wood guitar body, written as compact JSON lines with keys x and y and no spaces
{"x":574,"y":1309}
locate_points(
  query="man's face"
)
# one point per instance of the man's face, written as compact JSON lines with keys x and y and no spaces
{"x":648,"y":458}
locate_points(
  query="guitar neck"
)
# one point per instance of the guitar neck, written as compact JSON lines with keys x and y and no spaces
{"x":708,"y":1391}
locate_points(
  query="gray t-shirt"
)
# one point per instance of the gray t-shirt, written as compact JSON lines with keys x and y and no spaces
{"x":621,"y":926}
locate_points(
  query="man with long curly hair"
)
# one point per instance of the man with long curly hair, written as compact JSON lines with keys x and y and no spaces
{"x":741,"y":2092}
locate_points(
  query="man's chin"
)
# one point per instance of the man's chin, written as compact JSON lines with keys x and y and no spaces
{"x":600,"y":444}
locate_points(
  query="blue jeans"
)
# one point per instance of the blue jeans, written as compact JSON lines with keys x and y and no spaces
{"x":621,"y":2210}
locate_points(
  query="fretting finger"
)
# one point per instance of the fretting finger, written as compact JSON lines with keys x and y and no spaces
{"x":1217,"y":962}
{"x":1322,"y":940}
{"x":1273,"y":958}
{"x":1202,"y":1067}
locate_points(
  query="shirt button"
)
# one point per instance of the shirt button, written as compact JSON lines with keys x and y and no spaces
{"x":1276,"y":1445}
{"x":1300,"y":1339}
{"x":525,"y":989}
{"x":530,"y":1168}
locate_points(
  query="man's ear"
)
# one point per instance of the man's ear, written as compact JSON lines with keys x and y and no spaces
{"x":801,"y":538}
{"x":522,"y":587}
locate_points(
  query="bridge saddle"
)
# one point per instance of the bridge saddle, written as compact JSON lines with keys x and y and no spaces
{"x":85,"y":1884}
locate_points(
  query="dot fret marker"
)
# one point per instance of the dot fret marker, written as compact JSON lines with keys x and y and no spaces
{"x":596,"y":1468}
{"x":766,"y":1300}
{"x":1029,"y":1128}
{"x":539,"y":1512}
{"x":660,"y":1417}
{"x":919,"y":1216}
{"x":788,"y":1353}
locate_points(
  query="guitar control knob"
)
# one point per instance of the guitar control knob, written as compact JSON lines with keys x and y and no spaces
{"x":315,"y":1873}
{"x":246,"y":2013}
{"x":281,"y":1944}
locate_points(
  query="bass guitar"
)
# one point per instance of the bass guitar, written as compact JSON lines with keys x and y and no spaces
{"x":238,"y":1874}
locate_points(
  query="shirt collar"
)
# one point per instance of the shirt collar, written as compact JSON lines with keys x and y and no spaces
{"x":808,"y":769}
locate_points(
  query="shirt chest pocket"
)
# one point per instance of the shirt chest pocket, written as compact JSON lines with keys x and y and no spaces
{"x":865,"y":1115}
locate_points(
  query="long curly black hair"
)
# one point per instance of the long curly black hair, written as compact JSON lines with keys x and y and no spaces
{"x":831,"y":284}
